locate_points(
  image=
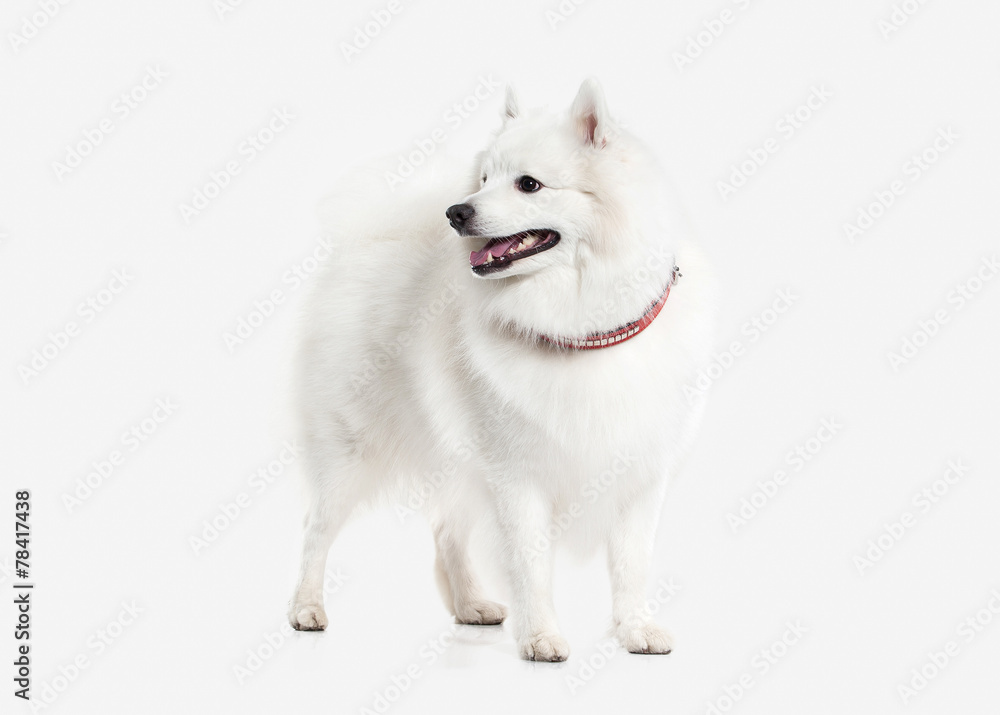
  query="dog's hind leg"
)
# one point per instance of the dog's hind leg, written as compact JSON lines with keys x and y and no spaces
{"x":331,"y":505}
{"x":459,"y":586}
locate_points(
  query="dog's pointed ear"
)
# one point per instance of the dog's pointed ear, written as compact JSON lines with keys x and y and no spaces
{"x":511,"y":105}
{"x":590,"y":113}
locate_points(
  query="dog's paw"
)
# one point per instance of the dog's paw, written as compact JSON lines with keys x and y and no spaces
{"x":547,"y":647}
{"x":649,"y":639}
{"x":307,"y":617}
{"x":480,"y":613}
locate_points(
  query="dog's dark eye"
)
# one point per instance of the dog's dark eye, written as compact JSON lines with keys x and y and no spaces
{"x":528,"y":185}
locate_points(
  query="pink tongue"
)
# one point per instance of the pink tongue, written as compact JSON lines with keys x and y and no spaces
{"x":478,"y":258}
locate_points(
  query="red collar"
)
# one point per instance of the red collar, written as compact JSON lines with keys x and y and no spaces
{"x":595,"y":341}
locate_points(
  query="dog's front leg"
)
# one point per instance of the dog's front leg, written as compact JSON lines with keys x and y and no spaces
{"x":630,"y":551}
{"x":524,"y":516}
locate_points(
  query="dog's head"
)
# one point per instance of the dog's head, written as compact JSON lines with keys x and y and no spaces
{"x":553,"y":189}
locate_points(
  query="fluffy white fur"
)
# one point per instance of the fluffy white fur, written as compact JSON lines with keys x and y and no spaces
{"x":410,"y":362}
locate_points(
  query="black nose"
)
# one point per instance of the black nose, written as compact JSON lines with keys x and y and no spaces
{"x":459,"y":214}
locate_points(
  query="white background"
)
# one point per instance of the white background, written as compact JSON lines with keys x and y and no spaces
{"x":827,"y":356}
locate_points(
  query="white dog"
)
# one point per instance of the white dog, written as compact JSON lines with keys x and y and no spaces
{"x":548,"y":368}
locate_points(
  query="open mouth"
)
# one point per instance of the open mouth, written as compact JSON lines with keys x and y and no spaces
{"x":499,"y":253}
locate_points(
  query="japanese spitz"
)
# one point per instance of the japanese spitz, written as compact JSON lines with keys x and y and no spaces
{"x":530,"y":346}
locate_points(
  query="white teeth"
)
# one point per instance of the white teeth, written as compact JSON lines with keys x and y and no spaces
{"x":489,"y":258}
{"x":519,"y":247}
{"x":529,"y":241}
